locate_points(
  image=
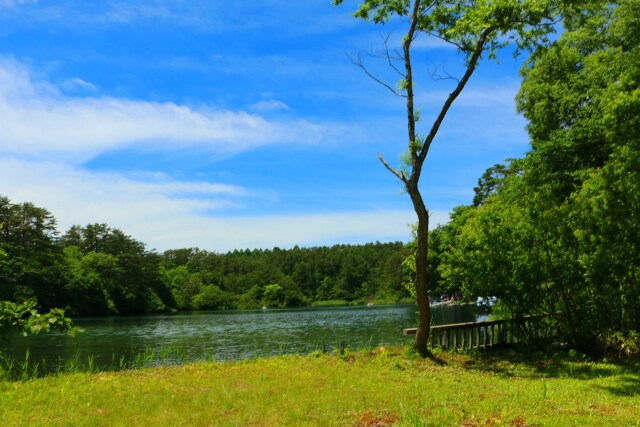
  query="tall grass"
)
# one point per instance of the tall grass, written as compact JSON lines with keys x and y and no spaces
{"x":28,"y":368}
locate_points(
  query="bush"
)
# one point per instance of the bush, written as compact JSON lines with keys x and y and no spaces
{"x":623,"y":344}
{"x":25,"y":317}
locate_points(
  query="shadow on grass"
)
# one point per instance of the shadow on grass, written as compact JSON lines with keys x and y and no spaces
{"x":435,"y":358}
{"x":628,"y":386}
{"x":512,"y":363}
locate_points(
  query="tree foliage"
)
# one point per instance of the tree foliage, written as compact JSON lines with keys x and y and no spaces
{"x":109,"y":272}
{"x":561,"y":235}
{"x":285,"y":278}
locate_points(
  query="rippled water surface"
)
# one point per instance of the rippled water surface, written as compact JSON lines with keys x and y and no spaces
{"x":232,"y":334}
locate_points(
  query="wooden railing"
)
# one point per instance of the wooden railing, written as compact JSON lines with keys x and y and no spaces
{"x":478,"y":335}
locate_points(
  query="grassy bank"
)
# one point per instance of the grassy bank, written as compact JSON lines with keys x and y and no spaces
{"x":372,"y":388}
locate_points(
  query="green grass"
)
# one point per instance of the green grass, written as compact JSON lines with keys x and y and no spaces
{"x":366,"y":388}
{"x":331,"y":302}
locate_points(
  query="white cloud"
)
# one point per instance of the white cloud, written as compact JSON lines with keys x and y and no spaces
{"x":269,"y":105}
{"x":479,"y":117}
{"x":429,"y":42}
{"x":285,"y":231}
{"x":491,"y":96}
{"x":475,"y":96}
{"x":392,"y":38}
{"x":286,"y":17}
{"x":165,"y":214}
{"x":39,"y":121}
{"x":120,"y":12}
{"x":46,"y":135}
{"x":13,"y":3}
{"x":89,"y":196}
{"x":77,"y":83}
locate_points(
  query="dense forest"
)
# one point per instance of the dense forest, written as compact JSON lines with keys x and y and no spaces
{"x":99,"y":270}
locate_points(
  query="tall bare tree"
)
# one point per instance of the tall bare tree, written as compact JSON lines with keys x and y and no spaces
{"x":477,"y":28}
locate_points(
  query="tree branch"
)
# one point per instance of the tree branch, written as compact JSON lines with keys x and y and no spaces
{"x":473,"y":61}
{"x":389,"y":58}
{"x":446,"y":40}
{"x":435,"y":75}
{"x":398,"y":175}
{"x":358,"y":63}
{"x":406,"y":48}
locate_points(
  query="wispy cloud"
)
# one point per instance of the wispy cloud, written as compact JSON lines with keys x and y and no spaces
{"x":13,"y":3}
{"x":286,"y":17}
{"x":390,"y":40}
{"x":430,"y":42}
{"x":73,"y":13}
{"x":47,"y":135}
{"x":488,"y":95}
{"x":482,"y":115}
{"x":491,"y":96}
{"x":40,"y":121}
{"x":269,"y":105}
{"x":165,"y":213}
{"x":76,"y":84}
{"x":116,"y":195}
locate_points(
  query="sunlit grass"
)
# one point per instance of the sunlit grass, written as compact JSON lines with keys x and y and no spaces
{"x":376,"y":387}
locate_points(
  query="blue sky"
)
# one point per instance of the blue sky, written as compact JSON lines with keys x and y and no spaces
{"x":231,"y":125}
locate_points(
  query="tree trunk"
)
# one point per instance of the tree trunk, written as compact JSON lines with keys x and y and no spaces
{"x":422,"y":296}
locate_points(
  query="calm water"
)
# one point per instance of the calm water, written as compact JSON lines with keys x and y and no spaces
{"x":231,"y":334}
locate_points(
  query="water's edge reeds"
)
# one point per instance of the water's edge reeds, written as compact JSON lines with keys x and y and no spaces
{"x":28,"y":368}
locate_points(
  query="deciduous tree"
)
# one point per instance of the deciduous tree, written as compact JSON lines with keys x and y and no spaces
{"x":477,"y":29}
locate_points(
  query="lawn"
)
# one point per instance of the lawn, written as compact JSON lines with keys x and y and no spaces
{"x":366,"y":388}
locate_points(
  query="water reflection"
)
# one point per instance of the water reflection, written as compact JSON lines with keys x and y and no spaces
{"x":232,"y":334}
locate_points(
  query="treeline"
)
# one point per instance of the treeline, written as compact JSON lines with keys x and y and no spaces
{"x":295,"y":277}
{"x":99,"y":270}
{"x":558,"y":231}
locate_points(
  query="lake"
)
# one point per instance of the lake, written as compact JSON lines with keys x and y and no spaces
{"x":227,"y":335}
